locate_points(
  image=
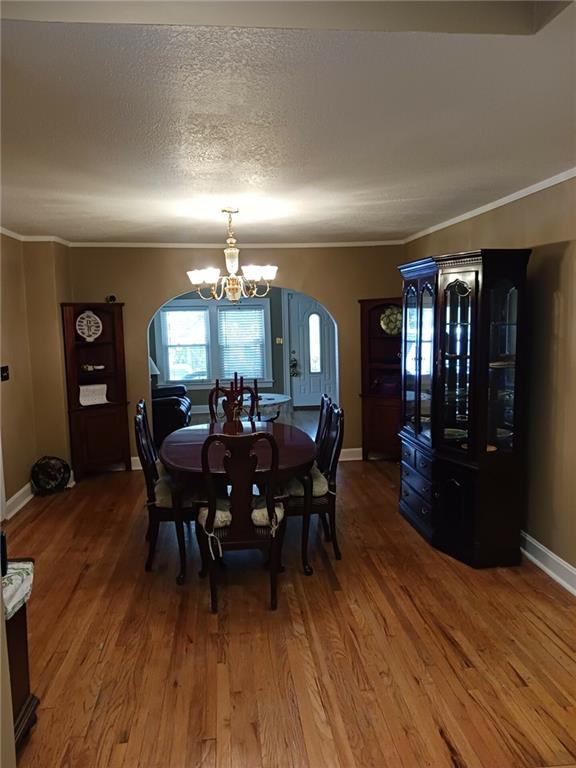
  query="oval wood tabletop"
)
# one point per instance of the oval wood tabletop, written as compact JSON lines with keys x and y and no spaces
{"x":181,"y":451}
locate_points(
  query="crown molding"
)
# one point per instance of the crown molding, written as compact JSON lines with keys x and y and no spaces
{"x":243,"y":246}
{"x":35,"y":238}
{"x":204,"y":246}
{"x":538,"y":187}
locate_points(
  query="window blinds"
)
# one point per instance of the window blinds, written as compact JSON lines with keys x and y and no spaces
{"x":241,"y":342}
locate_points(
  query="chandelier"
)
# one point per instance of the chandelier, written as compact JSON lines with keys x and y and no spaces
{"x":254,"y":282}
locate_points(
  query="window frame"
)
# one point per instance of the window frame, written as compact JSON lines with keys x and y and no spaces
{"x":212,"y":308}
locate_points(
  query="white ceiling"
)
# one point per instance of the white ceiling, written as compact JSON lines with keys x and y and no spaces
{"x":143,"y":132}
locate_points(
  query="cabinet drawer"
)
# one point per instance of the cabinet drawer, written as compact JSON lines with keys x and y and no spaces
{"x":417,"y":482}
{"x":408,"y":454}
{"x":415,"y":502}
{"x":423,"y":464}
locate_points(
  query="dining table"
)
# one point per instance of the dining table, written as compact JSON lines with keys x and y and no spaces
{"x":181,"y":454}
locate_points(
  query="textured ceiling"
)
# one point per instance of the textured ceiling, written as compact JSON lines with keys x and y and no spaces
{"x":141,"y":133}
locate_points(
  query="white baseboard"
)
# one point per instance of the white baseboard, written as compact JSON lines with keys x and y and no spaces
{"x":351,"y":454}
{"x":20,"y":499}
{"x":135,"y":462}
{"x":558,"y":569}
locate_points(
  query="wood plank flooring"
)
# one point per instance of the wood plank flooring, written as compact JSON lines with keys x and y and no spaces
{"x":397,"y":656}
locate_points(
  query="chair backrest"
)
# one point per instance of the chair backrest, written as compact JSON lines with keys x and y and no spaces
{"x":325,"y":402}
{"x":240,"y":463}
{"x":233,"y":402}
{"x":328,"y":457}
{"x":141,"y":409}
{"x":146,"y":453}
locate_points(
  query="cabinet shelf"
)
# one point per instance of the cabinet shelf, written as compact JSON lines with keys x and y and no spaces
{"x":95,"y":343}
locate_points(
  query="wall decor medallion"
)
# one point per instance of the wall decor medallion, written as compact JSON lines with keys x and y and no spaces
{"x":391,"y":320}
{"x":88,"y":325}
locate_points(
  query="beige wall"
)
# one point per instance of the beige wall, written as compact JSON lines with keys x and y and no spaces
{"x":18,"y":424}
{"x":146,"y":278}
{"x":546,"y":222}
{"x":35,"y":279}
{"x":47,"y":284}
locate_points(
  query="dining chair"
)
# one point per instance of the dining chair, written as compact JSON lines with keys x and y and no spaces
{"x":323,"y":476}
{"x":233,"y":400}
{"x":325,"y":403}
{"x":159,"y":492}
{"x":241,"y":521}
{"x":141,"y":409}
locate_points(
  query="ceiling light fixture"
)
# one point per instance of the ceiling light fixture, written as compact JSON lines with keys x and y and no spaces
{"x":233,"y":286}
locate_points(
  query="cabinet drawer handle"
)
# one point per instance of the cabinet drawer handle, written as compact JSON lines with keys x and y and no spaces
{"x":424,"y":512}
{"x":426,"y":488}
{"x":406,"y":454}
{"x":405,"y":493}
{"x":423,"y":464}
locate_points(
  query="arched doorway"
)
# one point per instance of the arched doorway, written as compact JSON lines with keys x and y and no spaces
{"x":287,"y":341}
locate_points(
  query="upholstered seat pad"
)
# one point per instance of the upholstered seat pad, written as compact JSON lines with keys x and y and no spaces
{"x":223,"y":517}
{"x":163,"y":494}
{"x":17,"y":586}
{"x":294,"y":487}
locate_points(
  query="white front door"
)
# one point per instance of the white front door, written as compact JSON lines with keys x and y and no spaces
{"x":312,"y":348}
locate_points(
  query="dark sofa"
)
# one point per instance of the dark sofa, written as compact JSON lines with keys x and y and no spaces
{"x":171,"y":410}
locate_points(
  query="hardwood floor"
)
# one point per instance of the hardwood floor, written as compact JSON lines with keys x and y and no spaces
{"x":395,"y":656}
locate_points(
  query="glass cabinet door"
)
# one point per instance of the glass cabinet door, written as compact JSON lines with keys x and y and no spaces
{"x":426,"y":359}
{"x":410,"y":356}
{"x":503,"y":318}
{"x":456,"y":360}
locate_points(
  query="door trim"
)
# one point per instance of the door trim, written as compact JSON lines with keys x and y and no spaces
{"x":286,"y":342}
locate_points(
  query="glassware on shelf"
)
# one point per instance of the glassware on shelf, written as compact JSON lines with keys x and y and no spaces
{"x":426,"y":350}
{"x":456,"y":364}
{"x":410,"y":361}
{"x":503,"y":318}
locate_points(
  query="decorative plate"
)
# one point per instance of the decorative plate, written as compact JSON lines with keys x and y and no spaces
{"x":89,"y":325}
{"x":391,"y":320}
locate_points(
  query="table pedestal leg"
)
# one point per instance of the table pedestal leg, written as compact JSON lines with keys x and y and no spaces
{"x":307,"y":483}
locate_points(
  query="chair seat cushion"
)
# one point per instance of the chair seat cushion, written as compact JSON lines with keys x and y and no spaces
{"x":260,"y":512}
{"x":319,"y":484}
{"x":17,"y":586}
{"x":163,"y":494}
{"x":161,"y":469}
{"x":223,"y":517}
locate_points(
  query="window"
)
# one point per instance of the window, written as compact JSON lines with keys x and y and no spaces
{"x":186,"y":344}
{"x":314,"y":343}
{"x":199,"y":342}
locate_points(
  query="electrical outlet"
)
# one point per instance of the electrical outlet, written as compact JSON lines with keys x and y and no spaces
{"x":279,"y":340}
{"x":4,"y":373}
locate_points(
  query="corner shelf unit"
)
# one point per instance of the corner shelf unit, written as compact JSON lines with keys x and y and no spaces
{"x":463,"y":403}
{"x":381,"y":390}
{"x":99,"y":434}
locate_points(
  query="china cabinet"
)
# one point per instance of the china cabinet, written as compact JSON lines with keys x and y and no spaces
{"x":381,"y":328}
{"x":463,"y":397}
{"x":96,"y":386}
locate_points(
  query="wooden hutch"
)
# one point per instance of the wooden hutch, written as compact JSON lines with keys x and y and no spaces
{"x":463,"y":403}
{"x":96,"y":386}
